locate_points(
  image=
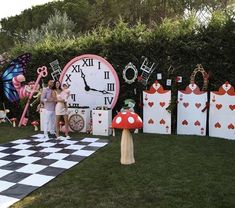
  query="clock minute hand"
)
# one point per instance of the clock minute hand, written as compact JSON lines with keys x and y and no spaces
{"x":102,"y":91}
{"x":87,"y":88}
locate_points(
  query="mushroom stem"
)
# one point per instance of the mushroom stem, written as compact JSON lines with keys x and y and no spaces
{"x":35,"y":128}
{"x":127,"y":148}
{"x":13,"y":123}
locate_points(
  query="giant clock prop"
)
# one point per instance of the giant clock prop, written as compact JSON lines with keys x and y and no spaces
{"x":92,"y":81}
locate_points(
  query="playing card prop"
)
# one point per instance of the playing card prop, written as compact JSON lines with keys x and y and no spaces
{"x":130,"y":67}
{"x":222,"y":112}
{"x":156,"y":119}
{"x":147,"y":69}
{"x":101,"y":122}
{"x":191,"y":112}
{"x":56,"y":70}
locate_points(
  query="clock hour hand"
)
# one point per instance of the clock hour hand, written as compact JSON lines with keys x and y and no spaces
{"x":87,"y":88}
{"x":102,"y":91}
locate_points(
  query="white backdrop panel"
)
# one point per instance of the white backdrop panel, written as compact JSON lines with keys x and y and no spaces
{"x":156,"y":119}
{"x":222,"y":112}
{"x":191,"y":115}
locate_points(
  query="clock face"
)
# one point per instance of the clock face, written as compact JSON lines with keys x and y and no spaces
{"x":92,"y":81}
{"x":76,"y":122}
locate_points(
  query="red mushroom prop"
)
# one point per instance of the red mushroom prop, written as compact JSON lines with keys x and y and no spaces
{"x":13,"y":120}
{"x":127,"y":120}
{"x":35,"y":124}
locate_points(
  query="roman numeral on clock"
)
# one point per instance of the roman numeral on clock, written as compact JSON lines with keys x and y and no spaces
{"x":68,"y":78}
{"x":110,"y":86}
{"x":87,"y":62}
{"x":106,"y":74}
{"x":73,"y":97}
{"x":108,"y":100}
{"x":76,"y":68}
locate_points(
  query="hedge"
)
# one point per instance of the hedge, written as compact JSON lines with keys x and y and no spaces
{"x":180,"y":43}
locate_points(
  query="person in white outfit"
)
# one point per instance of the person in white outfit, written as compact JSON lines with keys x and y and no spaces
{"x":61,"y":109}
{"x":49,"y":105}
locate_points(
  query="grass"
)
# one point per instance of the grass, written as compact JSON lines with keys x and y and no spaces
{"x":170,"y":172}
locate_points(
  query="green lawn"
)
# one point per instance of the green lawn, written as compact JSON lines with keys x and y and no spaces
{"x":170,"y":172}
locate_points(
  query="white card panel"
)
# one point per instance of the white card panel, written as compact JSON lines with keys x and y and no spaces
{"x":156,"y":119}
{"x":101,"y":122}
{"x":191,"y":113}
{"x":222,"y":112}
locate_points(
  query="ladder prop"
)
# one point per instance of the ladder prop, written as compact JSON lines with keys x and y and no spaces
{"x":147,"y":69}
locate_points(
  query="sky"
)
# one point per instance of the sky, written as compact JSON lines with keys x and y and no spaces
{"x":14,"y":7}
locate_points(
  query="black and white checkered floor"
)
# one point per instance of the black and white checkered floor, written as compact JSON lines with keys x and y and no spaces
{"x":27,"y":164}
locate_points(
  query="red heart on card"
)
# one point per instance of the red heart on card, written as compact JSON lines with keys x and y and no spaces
{"x":185,"y":122}
{"x":186,"y":105}
{"x":202,"y":129}
{"x":162,"y":122}
{"x":162,"y":104}
{"x":197,"y":123}
{"x":181,"y":99}
{"x":218,"y":106}
{"x":231,"y":126}
{"x":151,"y":121}
{"x":99,"y":114}
{"x":217,"y":125}
{"x":232,"y":107}
{"x":198,"y":105}
{"x":150,"y":104}
{"x":99,"y":121}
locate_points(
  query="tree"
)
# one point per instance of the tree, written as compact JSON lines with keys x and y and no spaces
{"x":58,"y":25}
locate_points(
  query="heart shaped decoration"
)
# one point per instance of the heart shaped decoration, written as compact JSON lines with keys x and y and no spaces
{"x":186,"y":105}
{"x":185,"y":122}
{"x":197,"y":123}
{"x":218,"y":106}
{"x":99,"y":114}
{"x":232,"y":107}
{"x":231,"y":126}
{"x":100,"y":121}
{"x":217,"y":125}
{"x":192,"y":87}
{"x":150,"y":104}
{"x":151,"y":121}
{"x":162,"y":104}
{"x":162,"y":122}
{"x":198,"y":105}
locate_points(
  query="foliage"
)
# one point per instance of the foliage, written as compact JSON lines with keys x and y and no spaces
{"x":176,"y":46}
{"x":89,"y":14}
{"x":58,"y":25}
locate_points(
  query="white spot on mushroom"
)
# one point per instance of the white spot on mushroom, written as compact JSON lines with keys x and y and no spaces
{"x":133,"y":113}
{"x":118,"y":120}
{"x":131,"y":120}
{"x":123,"y":113}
